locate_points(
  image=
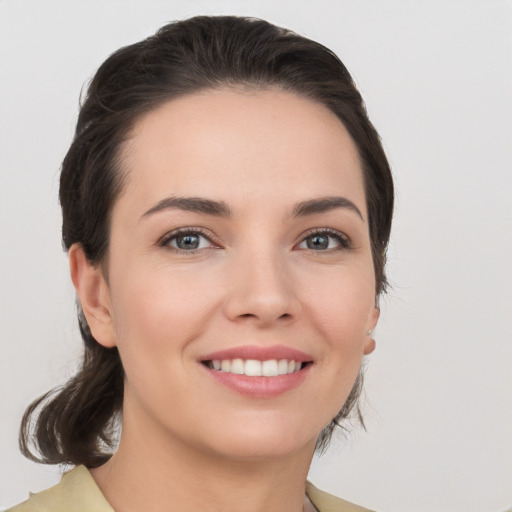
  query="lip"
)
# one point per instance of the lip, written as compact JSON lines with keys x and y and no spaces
{"x":259,"y":387}
{"x":259,"y":353}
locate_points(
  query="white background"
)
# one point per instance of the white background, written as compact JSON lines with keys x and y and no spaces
{"x":437,"y":79}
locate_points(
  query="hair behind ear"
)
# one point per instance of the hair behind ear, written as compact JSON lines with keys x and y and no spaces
{"x":350,"y":407}
{"x":77,"y":422}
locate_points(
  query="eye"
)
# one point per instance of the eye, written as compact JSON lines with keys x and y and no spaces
{"x":325,"y":240}
{"x":186,"y":240}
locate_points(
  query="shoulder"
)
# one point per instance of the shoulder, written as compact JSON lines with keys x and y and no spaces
{"x":325,"y":502}
{"x":76,"y":492}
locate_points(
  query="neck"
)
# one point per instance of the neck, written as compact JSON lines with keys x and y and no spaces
{"x":172,"y":475}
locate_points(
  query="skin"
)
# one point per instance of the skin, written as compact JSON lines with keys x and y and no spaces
{"x":253,"y":280}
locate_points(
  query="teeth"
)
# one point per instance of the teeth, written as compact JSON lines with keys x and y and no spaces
{"x":237,"y":366}
{"x":282,"y":366}
{"x":269,"y":368}
{"x":255,"y":368}
{"x":252,"y":368}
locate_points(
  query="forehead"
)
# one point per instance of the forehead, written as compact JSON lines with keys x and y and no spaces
{"x":267,"y":144}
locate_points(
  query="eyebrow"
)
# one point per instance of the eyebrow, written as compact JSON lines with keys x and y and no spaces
{"x":221,"y":209}
{"x":192,"y":204}
{"x":324,"y":204}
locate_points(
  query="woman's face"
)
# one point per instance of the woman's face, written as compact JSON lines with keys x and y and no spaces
{"x":240,"y":240}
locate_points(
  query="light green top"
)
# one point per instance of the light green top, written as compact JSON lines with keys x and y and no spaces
{"x":78,"y":492}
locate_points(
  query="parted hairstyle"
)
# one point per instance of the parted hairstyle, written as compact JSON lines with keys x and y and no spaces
{"x":78,"y":423}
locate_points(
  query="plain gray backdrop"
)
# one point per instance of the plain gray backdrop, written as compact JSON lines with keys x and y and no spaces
{"x":437,"y":80}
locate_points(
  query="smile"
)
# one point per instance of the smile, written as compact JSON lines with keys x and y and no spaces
{"x":256,"y":368}
{"x":261,"y":372}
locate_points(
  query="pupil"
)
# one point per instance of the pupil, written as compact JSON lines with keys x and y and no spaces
{"x":188,"y":242}
{"x":318,"y":242}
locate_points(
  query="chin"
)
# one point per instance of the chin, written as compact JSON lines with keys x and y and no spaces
{"x":258,"y":444}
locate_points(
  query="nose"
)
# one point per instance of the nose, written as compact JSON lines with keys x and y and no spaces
{"x":262,"y":290}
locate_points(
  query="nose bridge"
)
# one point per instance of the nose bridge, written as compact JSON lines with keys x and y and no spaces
{"x":261,"y":285}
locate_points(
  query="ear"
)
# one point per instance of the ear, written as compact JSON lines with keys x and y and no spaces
{"x":369,"y":345}
{"x":94,"y":296}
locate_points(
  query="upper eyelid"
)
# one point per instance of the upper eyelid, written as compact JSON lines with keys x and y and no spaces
{"x":184,"y":230}
{"x":344,"y":241}
{"x":329,"y":231}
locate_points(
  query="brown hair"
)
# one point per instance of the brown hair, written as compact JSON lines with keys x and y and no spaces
{"x":76,"y":424}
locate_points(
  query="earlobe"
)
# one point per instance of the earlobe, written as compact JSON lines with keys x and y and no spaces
{"x":93,"y":294}
{"x":369,"y":345}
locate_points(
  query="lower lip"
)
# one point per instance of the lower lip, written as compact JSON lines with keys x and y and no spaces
{"x":260,"y":387}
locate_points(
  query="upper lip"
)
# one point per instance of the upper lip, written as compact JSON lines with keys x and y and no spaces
{"x":259,"y":353}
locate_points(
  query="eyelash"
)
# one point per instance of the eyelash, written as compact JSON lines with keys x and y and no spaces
{"x":344,"y":242}
{"x":166,"y":239}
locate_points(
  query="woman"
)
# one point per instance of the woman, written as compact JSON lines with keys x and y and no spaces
{"x":226,"y":207}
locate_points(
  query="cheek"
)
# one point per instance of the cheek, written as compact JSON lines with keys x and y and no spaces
{"x":151,"y":307}
{"x":157,"y":318}
{"x":341,"y":303}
